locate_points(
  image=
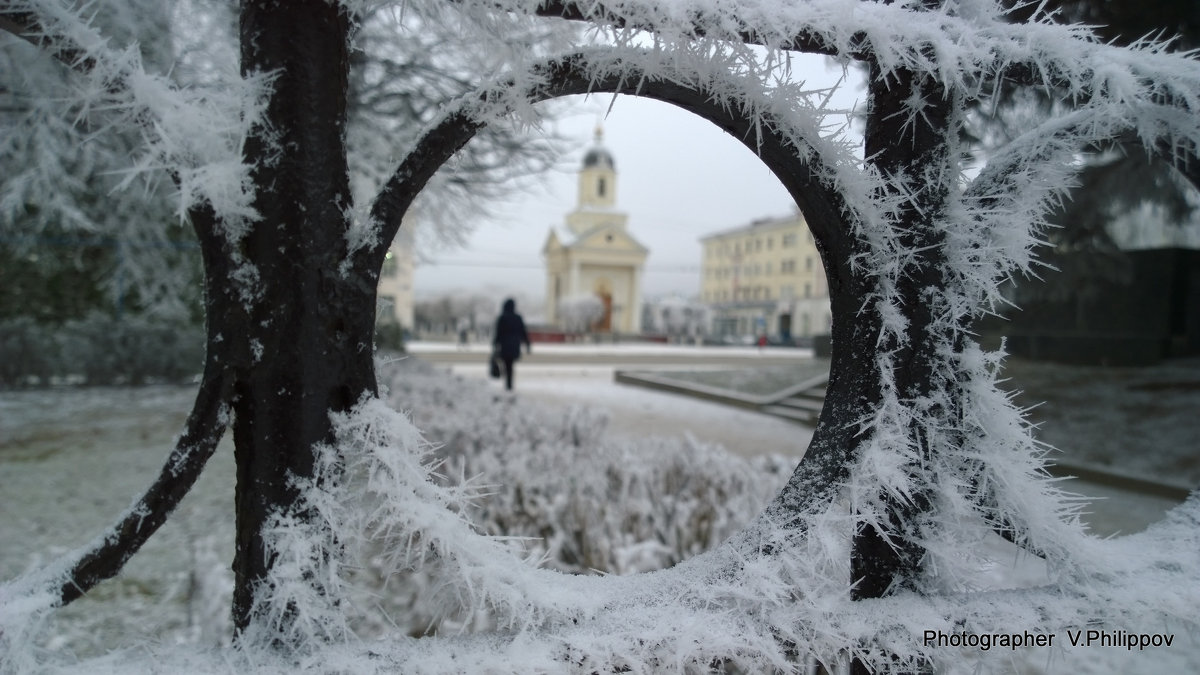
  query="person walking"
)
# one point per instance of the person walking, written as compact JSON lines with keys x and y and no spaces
{"x":510,"y":333}
{"x":463,"y":326}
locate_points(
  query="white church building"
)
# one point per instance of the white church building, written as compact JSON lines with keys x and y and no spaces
{"x":593,"y":255}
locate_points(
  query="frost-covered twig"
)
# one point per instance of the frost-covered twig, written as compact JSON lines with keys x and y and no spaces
{"x":25,"y":24}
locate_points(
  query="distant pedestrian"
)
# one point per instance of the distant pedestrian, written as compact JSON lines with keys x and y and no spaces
{"x":463,"y":327}
{"x":762,"y":341}
{"x":510,"y":333}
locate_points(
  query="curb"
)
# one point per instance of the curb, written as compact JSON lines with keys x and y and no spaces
{"x":1089,"y":473}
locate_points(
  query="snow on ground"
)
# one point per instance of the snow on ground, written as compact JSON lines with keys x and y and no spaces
{"x":700,"y":353}
{"x":71,"y":459}
{"x":644,"y":412}
{"x":1135,"y":420}
{"x":636,"y":410}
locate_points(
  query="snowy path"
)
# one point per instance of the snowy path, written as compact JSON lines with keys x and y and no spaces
{"x":582,"y":374}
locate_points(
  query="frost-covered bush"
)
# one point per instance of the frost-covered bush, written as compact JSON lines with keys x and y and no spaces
{"x":676,"y":316}
{"x":579,"y":313}
{"x":561,"y":488}
{"x":553,"y":482}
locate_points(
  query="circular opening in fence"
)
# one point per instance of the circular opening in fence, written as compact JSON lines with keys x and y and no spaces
{"x":590,"y":456}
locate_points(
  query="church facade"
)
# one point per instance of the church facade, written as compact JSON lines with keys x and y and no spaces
{"x":593,"y":260}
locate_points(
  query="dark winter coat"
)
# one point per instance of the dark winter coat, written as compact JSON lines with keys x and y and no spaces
{"x":510,"y":332}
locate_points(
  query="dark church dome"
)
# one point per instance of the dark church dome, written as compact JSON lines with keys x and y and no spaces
{"x":598,"y":156}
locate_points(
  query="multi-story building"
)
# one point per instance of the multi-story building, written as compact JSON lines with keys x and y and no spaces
{"x":396,"y":282}
{"x":765,"y":278}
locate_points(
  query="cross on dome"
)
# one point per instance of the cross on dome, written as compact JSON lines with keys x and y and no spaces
{"x":598,"y":155}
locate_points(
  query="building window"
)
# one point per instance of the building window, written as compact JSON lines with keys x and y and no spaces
{"x":808,"y":264}
{"x":788,"y":240}
{"x":787,"y":267}
{"x":768,"y":268}
{"x":600,"y":187}
{"x":807,"y":290}
{"x":770,"y":243}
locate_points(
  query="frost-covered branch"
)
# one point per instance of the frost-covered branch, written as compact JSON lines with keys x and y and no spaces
{"x":600,"y":13}
{"x":25,"y":24}
{"x":85,"y":139}
{"x":580,"y":312}
{"x":405,"y":67}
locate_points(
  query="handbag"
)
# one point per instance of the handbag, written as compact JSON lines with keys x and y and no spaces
{"x":494,"y":365}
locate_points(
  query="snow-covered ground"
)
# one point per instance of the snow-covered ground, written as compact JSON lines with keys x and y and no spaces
{"x":698,"y":353}
{"x":70,"y":459}
{"x":636,"y":410}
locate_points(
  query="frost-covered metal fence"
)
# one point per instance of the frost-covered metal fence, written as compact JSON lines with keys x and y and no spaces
{"x":917,"y":456}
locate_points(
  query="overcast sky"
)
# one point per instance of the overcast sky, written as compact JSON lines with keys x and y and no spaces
{"x":679,"y":178}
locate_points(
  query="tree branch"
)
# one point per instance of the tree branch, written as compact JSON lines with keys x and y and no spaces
{"x":27,"y":26}
{"x":598,"y":13}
